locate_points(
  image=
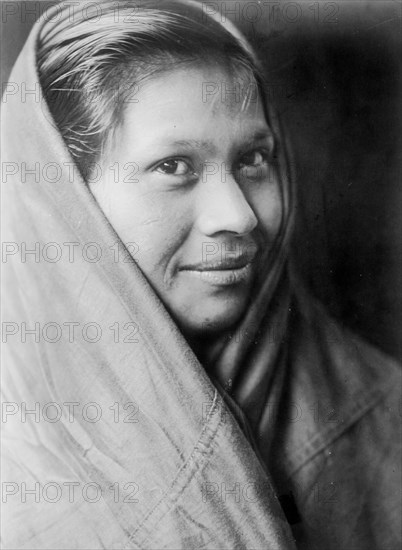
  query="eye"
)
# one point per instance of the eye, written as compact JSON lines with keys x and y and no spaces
{"x":254,"y":158}
{"x":256,"y":165}
{"x":174,"y":167}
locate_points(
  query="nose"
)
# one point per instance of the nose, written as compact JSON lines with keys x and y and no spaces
{"x":223,"y":207}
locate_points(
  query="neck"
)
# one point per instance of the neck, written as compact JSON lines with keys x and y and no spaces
{"x":207,"y":347}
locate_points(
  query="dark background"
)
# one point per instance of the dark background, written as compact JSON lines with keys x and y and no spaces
{"x":335,"y":69}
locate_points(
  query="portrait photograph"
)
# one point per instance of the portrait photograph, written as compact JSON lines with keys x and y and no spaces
{"x":201,"y":226}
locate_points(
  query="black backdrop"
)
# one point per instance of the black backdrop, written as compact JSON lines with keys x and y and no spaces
{"x":335,"y":76}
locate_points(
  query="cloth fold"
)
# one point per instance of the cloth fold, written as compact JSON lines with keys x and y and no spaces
{"x":129,"y":443}
{"x":115,"y":436}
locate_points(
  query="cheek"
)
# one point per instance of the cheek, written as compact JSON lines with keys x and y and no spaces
{"x":267,"y":205}
{"x":142,"y":222}
{"x":154,"y":222}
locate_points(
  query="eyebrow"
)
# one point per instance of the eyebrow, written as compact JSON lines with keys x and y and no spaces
{"x":196,"y":143}
{"x":259,"y":135}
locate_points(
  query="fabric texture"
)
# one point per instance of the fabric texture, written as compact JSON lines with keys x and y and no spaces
{"x":290,"y":439}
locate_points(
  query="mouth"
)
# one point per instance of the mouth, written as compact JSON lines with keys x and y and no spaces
{"x":226,"y":272}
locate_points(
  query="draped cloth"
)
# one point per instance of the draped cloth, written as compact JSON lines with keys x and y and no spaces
{"x":126,"y":412}
{"x":114,"y":435}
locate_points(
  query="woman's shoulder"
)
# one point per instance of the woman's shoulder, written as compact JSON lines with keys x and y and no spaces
{"x":365,"y":367}
{"x":343,"y":449}
{"x":336,"y":381}
{"x":339,"y":354}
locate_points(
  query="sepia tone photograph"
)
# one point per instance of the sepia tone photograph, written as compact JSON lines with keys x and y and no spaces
{"x":201,"y":226}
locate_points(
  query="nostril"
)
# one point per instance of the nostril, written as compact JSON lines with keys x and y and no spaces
{"x":234,"y":218}
{"x":223,"y":206}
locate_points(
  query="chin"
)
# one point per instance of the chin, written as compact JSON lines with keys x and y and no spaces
{"x":211,"y":316}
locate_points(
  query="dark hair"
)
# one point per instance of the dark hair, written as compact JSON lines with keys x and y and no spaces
{"x":89,"y":66}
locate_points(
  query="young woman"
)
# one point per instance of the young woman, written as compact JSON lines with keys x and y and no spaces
{"x":168,"y":382}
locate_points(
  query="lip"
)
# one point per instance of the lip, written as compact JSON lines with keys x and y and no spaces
{"x":220,"y":265}
{"x":216,"y":276}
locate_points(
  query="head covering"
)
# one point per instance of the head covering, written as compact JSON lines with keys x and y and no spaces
{"x":115,"y":436}
{"x":129,"y":443}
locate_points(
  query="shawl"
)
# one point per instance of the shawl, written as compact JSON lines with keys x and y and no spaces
{"x":129,"y":438}
{"x":115,"y":436}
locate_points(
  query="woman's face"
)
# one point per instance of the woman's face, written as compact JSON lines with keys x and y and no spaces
{"x":190,"y":180}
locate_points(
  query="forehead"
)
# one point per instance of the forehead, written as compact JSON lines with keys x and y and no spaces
{"x":195,"y":100}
